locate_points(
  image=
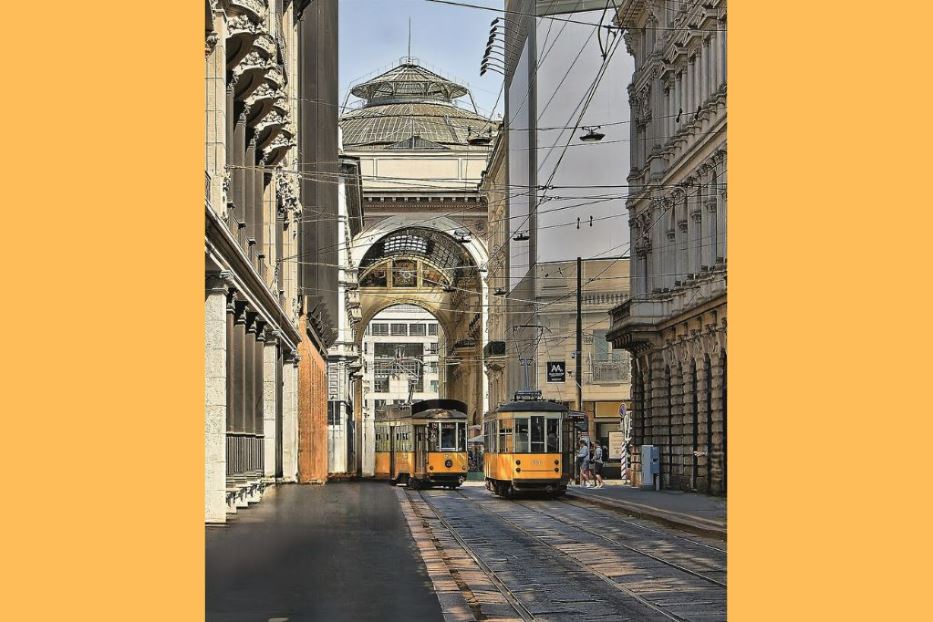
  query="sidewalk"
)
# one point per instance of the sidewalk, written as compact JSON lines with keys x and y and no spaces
{"x":690,"y":511}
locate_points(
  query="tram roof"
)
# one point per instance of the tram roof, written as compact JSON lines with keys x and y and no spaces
{"x":531,"y":406}
{"x":424,"y":409}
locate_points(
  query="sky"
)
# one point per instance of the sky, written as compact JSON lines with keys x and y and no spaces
{"x":446,"y":39}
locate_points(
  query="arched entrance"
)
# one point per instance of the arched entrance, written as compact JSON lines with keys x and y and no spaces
{"x":437,"y":269}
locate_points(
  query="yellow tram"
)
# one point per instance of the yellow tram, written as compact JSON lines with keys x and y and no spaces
{"x":529,"y":447}
{"x":422,"y":444}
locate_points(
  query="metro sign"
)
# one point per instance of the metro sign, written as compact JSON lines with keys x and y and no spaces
{"x":556,"y":371}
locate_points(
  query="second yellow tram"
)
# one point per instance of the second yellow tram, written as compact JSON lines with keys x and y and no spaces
{"x":422,"y":444}
{"x":529,"y":447}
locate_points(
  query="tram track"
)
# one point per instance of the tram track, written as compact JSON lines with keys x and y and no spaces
{"x":618,"y":513}
{"x":523,"y":612}
{"x":624,"y":545}
{"x":605,"y":578}
{"x":656,"y":593}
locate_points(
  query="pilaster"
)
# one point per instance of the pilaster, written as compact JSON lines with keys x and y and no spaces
{"x":269,"y":396}
{"x":215,"y":399}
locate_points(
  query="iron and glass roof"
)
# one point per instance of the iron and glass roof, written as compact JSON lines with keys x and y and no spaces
{"x":410,"y":108}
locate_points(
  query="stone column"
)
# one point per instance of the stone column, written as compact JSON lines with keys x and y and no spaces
{"x":290,"y":419}
{"x":239,"y":387}
{"x":677,"y":416}
{"x":696,"y":216}
{"x":691,"y":422}
{"x":718,"y":441}
{"x":216,"y":99}
{"x":721,"y":194}
{"x":703,"y":484}
{"x":215,"y":400}
{"x":659,"y":410}
{"x":269,"y":406}
{"x":249,"y":394}
{"x":256,"y":427}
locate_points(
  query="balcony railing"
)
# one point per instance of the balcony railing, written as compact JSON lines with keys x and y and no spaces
{"x":207,"y":189}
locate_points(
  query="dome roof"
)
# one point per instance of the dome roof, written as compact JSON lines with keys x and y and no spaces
{"x":410,"y":107}
{"x":408,"y":81}
{"x":389,"y":124}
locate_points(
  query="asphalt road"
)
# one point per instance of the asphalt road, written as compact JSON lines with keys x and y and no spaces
{"x":335,"y":552}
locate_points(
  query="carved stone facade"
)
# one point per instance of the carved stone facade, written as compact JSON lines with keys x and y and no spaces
{"x":675,"y":323}
{"x":252,"y":218}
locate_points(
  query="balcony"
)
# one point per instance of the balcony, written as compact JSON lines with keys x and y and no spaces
{"x":634,"y":320}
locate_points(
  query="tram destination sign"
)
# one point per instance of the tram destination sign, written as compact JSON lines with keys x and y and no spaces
{"x":556,"y":371}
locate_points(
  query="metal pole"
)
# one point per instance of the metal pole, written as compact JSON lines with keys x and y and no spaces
{"x":579,"y":356}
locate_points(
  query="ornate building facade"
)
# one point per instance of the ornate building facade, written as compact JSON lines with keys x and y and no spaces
{"x":675,"y":323}
{"x":257,"y":325}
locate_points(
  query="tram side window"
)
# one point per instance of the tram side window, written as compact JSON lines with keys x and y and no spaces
{"x":491,"y":437}
{"x":537,"y":435}
{"x":461,"y":437}
{"x":521,"y":436}
{"x":448,"y":437}
{"x":505,"y":436}
{"x":553,"y":436}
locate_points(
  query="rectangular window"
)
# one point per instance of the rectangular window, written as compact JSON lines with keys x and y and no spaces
{"x":432,"y":348}
{"x":434,"y":386}
{"x":553,"y":436}
{"x":333,"y":413}
{"x":381,"y":385}
{"x":417,"y":330}
{"x":537,"y":435}
{"x":399,"y":330}
{"x":448,"y":437}
{"x":380,"y":330}
{"x":461,"y":436}
{"x":521,"y":436}
{"x":505,"y":436}
{"x":432,"y":329}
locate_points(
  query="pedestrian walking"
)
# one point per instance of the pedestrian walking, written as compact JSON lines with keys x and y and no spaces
{"x":597,"y":466}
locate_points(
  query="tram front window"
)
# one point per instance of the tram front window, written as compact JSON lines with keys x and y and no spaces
{"x":537,"y":435}
{"x":553,"y":438}
{"x":448,"y":437}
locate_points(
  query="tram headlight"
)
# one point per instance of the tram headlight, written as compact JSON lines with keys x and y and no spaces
{"x":430,"y":468}
{"x":448,"y":463}
{"x":557,"y":462}
{"x":518,"y":462}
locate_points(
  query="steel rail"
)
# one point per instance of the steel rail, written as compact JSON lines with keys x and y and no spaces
{"x":513,"y":600}
{"x":622,"y":544}
{"x":605,"y":578}
{"x":585,"y":504}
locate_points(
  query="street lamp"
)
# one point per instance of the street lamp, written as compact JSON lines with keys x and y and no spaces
{"x":591,"y":134}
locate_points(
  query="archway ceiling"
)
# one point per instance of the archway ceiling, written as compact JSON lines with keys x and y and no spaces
{"x":436,"y":247}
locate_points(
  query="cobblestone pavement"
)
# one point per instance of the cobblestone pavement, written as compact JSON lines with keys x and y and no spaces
{"x":534,"y":559}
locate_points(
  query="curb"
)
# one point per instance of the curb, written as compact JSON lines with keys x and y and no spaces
{"x":693,"y":524}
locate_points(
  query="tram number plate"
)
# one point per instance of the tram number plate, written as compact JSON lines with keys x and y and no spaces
{"x":536,"y":462}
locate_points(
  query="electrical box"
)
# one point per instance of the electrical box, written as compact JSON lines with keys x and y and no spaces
{"x":650,"y":467}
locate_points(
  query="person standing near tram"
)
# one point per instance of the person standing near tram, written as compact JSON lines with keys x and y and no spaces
{"x":583,"y":462}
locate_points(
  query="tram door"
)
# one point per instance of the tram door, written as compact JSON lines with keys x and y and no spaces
{"x":569,"y":454}
{"x":421,"y":449}
{"x":392,"y":434}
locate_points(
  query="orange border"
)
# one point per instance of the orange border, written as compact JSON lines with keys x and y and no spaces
{"x":829,"y":133}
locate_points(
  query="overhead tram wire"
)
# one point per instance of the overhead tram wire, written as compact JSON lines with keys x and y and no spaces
{"x":563,"y":19}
